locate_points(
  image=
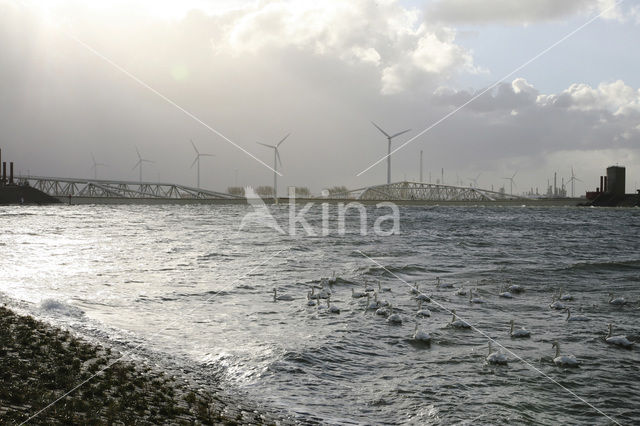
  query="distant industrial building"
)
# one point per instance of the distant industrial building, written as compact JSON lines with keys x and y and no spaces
{"x":612,"y":190}
{"x":13,"y":193}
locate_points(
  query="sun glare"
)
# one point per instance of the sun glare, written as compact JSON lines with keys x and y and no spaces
{"x":163,"y":9}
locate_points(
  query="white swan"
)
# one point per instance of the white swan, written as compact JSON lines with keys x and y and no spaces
{"x":310,"y":301}
{"x":367,"y":288}
{"x":576,"y":317}
{"x":383,"y":311}
{"x":461,"y":292}
{"x":474,"y":299}
{"x":394,"y":318}
{"x":442,"y":284}
{"x":520,"y":333}
{"x":324,"y":292}
{"x":357,"y":295}
{"x":617,"y":340}
{"x":283,"y":297}
{"x":332,"y":309}
{"x":516,"y":288}
{"x":421,"y":336}
{"x":556,"y":304}
{"x":372,"y":305}
{"x":381,"y":289}
{"x":497,"y":358}
{"x":458,"y":323}
{"x":618,"y":301}
{"x":563,"y":360}
{"x":505,"y":294}
{"x":423,"y":312}
{"x":423,"y":298}
{"x":415,"y":289}
{"x":565,"y":297}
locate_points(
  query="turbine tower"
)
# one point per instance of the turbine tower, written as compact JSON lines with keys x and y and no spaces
{"x":573,"y":180}
{"x":511,"y":181}
{"x":276,"y":160}
{"x":139,"y":163}
{"x":197,"y":161}
{"x":94,"y":167}
{"x":389,"y":137}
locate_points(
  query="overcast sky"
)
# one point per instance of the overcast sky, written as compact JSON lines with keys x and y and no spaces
{"x":321,"y":70}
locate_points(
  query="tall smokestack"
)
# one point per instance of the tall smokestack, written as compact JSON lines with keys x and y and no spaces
{"x":606,"y":184}
{"x":4,"y":172}
{"x":601,"y":183}
{"x":11,"y":173}
{"x":1,"y":181}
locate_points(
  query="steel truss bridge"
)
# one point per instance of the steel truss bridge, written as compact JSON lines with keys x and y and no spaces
{"x":417,"y":191}
{"x":97,"y":189}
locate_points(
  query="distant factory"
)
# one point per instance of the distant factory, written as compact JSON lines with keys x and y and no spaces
{"x":611,"y":192}
{"x":14,"y":193}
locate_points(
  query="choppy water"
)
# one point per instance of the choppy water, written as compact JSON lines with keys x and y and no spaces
{"x":183,"y":281}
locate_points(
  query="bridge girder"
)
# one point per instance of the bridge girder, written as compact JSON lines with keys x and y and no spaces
{"x":419,"y":191}
{"x":100,"y":188}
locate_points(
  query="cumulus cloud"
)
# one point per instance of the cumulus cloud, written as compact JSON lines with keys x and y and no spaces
{"x":385,"y":35}
{"x":515,"y":12}
{"x":616,"y":97}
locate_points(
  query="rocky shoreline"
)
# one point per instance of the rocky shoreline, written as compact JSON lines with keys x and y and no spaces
{"x":40,"y":363}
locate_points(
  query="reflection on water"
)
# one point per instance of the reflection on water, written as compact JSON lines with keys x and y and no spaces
{"x":182,"y":280}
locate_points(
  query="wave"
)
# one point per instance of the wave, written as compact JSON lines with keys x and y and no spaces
{"x":388,"y":271}
{"x":60,"y":308}
{"x":604,"y":266}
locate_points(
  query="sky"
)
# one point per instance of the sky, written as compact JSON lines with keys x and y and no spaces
{"x":83,"y":78}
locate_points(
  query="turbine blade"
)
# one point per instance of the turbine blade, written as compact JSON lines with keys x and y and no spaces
{"x":264,"y":144}
{"x":137,"y":164}
{"x":207,"y":155}
{"x":383,"y":132}
{"x":400,"y":133}
{"x":278,"y":144}
{"x":194,"y":146}
{"x":138,"y":152}
{"x":514,"y":175}
{"x":278,"y":155}
{"x":194,"y":162}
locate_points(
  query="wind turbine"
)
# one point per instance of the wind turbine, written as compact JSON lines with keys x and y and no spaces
{"x":475,"y":181}
{"x":139,"y":163}
{"x":510,"y":179}
{"x":389,"y":137}
{"x":95,"y":165}
{"x":573,"y":180}
{"x":276,"y":160}
{"x":197,"y":160}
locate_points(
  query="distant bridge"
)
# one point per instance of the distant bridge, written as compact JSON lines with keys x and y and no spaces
{"x":418,"y":191}
{"x":100,"y":191}
{"x":112,"y":191}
